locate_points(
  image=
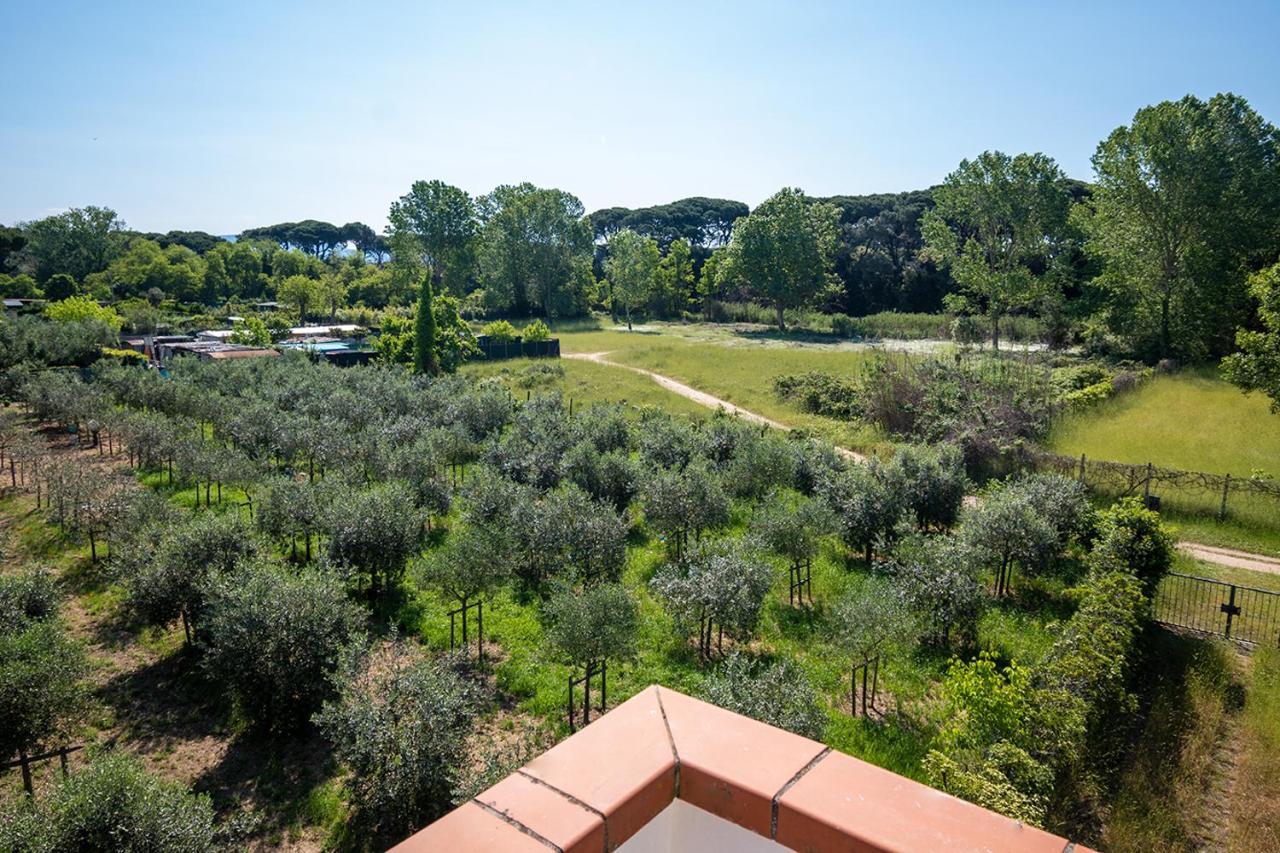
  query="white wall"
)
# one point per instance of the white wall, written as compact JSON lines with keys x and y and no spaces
{"x":682,"y":828}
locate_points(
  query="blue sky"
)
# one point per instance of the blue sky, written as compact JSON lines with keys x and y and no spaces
{"x":221,"y":116}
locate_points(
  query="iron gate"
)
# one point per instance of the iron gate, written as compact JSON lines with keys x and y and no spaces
{"x":1242,"y":613}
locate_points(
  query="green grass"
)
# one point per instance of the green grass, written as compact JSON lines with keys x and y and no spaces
{"x":736,"y":368}
{"x":1193,"y":421}
{"x":1255,"y":817}
{"x":584,"y":382}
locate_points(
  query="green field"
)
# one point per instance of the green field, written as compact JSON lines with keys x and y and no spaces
{"x":737,"y":367}
{"x":1193,"y":421}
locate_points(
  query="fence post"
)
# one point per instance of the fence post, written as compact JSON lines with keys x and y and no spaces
{"x":1226,"y":487}
{"x":1231,"y":609}
{"x":1082,"y":468}
{"x":26,"y":773}
{"x":1146,"y":487}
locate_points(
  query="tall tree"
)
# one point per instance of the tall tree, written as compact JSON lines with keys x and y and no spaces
{"x":674,"y":282}
{"x":424,"y":339}
{"x":536,"y":247}
{"x":997,"y":221}
{"x":79,"y":242}
{"x":782,"y":250}
{"x":1186,"y":204}
{"x":439,"y":223}
{"x":301,"y":292}
{"x":632,"y":268}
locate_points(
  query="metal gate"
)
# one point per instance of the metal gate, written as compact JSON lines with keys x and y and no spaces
{"x":1242,"y":613}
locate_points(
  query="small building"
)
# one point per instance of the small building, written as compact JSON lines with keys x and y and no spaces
{"x":338,"y":330}
{"x":218,"y":335}
{"x":212,"y":350}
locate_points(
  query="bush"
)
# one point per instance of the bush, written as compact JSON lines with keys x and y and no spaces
{"x":399,"y":725}
{"x":272,"y":639}
{"x":719,"y":585}
{"x":775,"y":693}
{"x":938,"y":583}
{"x":111,"y":805}
{"x":42,"y":693}
{"x":30,"y":596}
{"x":1133,"y":537}
{"x":536,"y":332}
{"x":820,"y":393}
{"x":500,"y":331}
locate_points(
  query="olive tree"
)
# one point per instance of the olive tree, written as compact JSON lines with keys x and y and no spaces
{"x":112,"y":804}
{"x":272,"y":638}
{"x":372,"y":533}
{"x":933,"y":483}
{"x":1005,"y":530}
{"x":590,"y":627}
{"x":777,"y":693}
{"x":867,"y":622}
{"x":680,"y":503}
{"x":399,"y":724}
{"x":474,"y":562}
{"x":938,"y":584}
{"x":868,"y":503}
{"x":718,"y":586}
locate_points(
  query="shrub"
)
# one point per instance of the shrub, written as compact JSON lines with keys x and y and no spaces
{"x":500,"y":331}
{"x":678,"y":503}
{"x":1061,"y":501}
{"x":112,"y":805}
{"x":1133,"y":537}
{"x":536,"y":332}
{"x":399,"y":724}
{"x":775,"y":693}
{"x":868,"y":503}
{"x":820,"y":393}
{"x":967,"y":330}
{"x":933,"y":483}
{"x":272,"y":638}
{"x":1005,"y":530}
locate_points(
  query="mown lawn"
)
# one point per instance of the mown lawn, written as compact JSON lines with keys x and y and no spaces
{"x":583,"y":382}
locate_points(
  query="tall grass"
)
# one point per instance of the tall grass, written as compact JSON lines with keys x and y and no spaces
{"x":1255,"y":813}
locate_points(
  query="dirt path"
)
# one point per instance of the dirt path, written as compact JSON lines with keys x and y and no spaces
{"x":1207,"y":553}
{"x":1231,"y":557}
{"x":702,"y":398}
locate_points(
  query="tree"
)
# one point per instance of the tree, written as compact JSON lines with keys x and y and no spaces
{"x":938,"y":583}
{"x":677,"y":503}
{"x":536,"y":248}
{"x":424,"y":338}
{"x":300,"y":291}
{"x":79,"y":242}
{"x":81,"y":309}
{"x":719,"y":586}
{"x":42,"y":690}
{"x":110,"y":805}
{"x":251,"y":331}
{"x":439,"y":223}
{"x":997,"y":221}
{"x":933,"y":482}
{"x":673,"y":286}
{"x":782,"y":250}
{"x":591,"y":627}
{"x":474,"y":562}
{"x":867,"y":623}
{"x":373,"y":533}
{"x":868,"y":502}
{"x":272,"y":638}
{"x":399,"y":724}
{"x":777,"y":693}
{"x":1133,"y":538}
{"x":1257,"y":366}
{"x":1186,"y":202}
{"x":1006,"y":529}
{"x":632,"y":269}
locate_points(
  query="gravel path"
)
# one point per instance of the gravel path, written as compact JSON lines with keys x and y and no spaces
{"x":1207,"y":553}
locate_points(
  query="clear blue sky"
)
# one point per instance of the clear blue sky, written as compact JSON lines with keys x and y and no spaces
{"x":221,"y":116}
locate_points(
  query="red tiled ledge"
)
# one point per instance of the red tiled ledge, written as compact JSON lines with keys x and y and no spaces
{"x":593,"y":791}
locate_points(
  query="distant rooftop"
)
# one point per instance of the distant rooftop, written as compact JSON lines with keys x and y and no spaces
{"x":665,"y":773}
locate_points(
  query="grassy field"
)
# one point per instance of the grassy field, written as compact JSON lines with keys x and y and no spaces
{"x":1192,"y":421}
{"x":737,"y":367}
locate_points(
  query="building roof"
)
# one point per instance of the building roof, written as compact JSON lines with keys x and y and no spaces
{"x":600,"y":787}
{"x":338,"y":329}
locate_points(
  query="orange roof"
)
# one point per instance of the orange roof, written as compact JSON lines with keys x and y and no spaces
{"x":596,"y":789}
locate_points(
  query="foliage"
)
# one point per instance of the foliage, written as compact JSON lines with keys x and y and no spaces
{"x":78,"y":242}
{"x":399,"y":724}
{"x":1186,"y":198}
{"x":680,"y":503}
{"x":424,"y":332}
{"x":1007,"y":529}
{"x":82,"y":309}
{"x":998,"y":218}
{"x":777,"y":693}
{"x":717,"y":583}
{"x":597,"y":623}
{"x":1133,"y":537}
{"x":868,"y":502}
{"x":272,"y":638}
{"x":820,"y":393}
{"x":42,"y":693}
{"x":869,"y":622}
{"x":938,"y":582}
{"x":251,"y":331}
{"x":933,"y":482}
{"x":782,"y":250}
{"x":791,"y":529}
{"x":112,"y":804}
{"x":1257,"y":366}
{"x":28,"y":596}
{"x":499,"y":331}
{"x":435,"y":225}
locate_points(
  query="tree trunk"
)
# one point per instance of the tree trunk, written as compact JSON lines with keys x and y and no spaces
{"x":782,"y":322}
{"x":995,"y":332}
